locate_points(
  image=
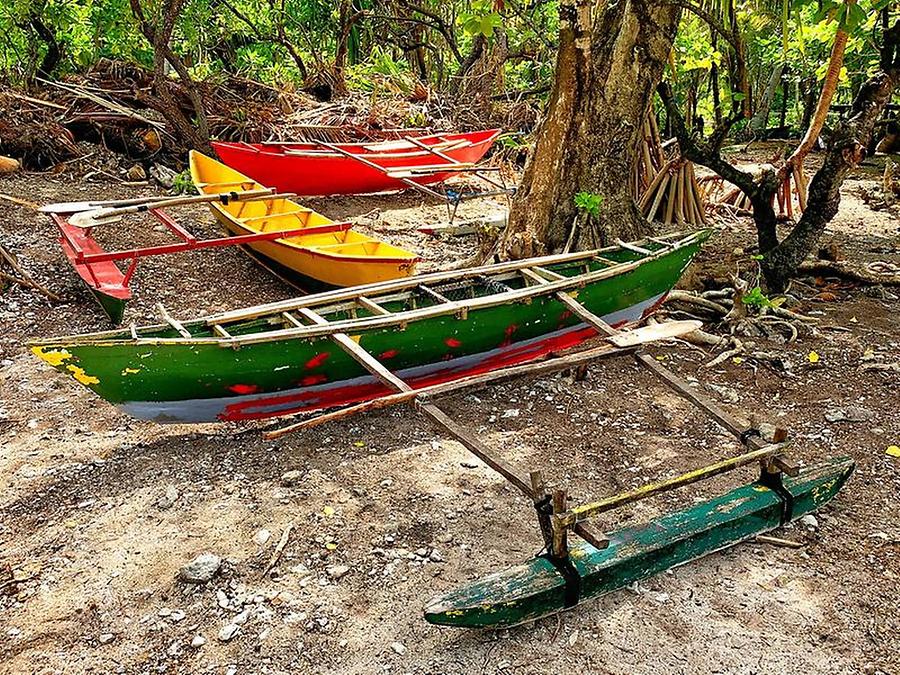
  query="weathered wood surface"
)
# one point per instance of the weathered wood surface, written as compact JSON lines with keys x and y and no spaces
{"x":536,"y":588}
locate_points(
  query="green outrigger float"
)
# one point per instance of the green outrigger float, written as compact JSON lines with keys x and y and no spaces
{"x":544,"y":586}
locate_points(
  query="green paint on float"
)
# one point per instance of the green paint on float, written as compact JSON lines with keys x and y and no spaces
{"x":535,"y":588}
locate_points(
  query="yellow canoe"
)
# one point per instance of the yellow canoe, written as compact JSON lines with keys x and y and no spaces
{"x":331,"y":254}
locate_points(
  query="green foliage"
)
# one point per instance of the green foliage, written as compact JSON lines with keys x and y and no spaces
{"x":588,"y":203}
{"x":756,"y":298}
{"x":481,"y":19}
{"x":182,"y":183}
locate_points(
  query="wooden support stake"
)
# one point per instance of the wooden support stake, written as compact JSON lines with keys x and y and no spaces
{"x":560,"y":549}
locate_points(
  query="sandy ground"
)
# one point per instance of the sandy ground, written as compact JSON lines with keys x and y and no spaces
{"x":98,"y":512}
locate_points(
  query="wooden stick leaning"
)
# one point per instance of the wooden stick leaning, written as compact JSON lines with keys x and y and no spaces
{"x":103,"y":216}
{"x":618,"y":345}
{"x":474,"y":446}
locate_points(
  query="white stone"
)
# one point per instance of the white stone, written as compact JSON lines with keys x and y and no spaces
{"x":810,"y":521}
{"x":261,"y":537}
{"x":399,"y":648}
{"x":228,"y":632}
{"x":201,"y":569}
{"x":198,"y":641}
{"x":337,"y":571}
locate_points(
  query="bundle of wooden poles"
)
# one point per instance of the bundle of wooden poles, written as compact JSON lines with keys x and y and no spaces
{"x":666,"y":188}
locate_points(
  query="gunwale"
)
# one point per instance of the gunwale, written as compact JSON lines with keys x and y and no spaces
{"x":314,"y":151}
{"x":376,"y":292}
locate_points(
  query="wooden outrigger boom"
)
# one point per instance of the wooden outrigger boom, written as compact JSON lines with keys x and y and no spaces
{"x":563,"y":577}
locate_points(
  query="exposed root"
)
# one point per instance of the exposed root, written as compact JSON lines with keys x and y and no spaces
{"x":879,"y":272}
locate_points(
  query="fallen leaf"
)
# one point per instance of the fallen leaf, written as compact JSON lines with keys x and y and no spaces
{"x":328,"y":511}
{"x":893,"y":450}
{"x":331,"y":546}
{"x":738,"y":360}
{"x":359,"y":444}
{"x":813,"y":357}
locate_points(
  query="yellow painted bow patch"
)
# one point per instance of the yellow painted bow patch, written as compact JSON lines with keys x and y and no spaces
{"x":55,"y":357}
{"x":58,"y":357}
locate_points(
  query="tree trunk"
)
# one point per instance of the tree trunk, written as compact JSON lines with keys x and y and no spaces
{"x":829,"y":87}
{"x":54,"y":54}
{"x":158,"y":36}
{"x":846,"y":149}
{"x":760,"y":121}
{"x":607,"y":69}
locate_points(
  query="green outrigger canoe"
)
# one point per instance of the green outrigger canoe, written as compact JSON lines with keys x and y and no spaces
{"x":280,"y":358}
{"x":541,"y":586}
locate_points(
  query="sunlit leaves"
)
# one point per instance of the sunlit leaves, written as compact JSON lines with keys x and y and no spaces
{"x":481,"y":20}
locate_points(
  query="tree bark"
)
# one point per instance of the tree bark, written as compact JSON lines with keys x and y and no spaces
{"x":159,"y":36}
{"x":611,"y":57}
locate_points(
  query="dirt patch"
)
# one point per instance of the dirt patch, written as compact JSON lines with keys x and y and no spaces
{"x":99,"y":511}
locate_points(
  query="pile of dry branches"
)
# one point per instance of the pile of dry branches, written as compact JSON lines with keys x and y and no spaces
{"x":114,"y":104}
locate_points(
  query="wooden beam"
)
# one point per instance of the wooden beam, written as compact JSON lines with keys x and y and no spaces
{"x":585,"y":511}
{"x":371,"y":305}
{"x":406,"y":283}
{"x":473,"y":381}
{"x":474,"y":446}
{"x":174,"y":323}
{"x":723,"y":418}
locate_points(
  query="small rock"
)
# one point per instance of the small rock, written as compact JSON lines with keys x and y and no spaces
{"x":337,"y":571}
{"x":168,"y":499}
{"x":137,"y":173}
{"x":228,"y":632}
{"x":106,"y":638}
{"x":512,"y":412}
{"x":435,"y":556}
{"x":422,"y":552}
{"x":398,"y":648}
{"x":810,"y":521}
{"x":767,"y":431}
{"x":241,"y":619}
{"x":198,"y":641}
{"x":165,"y":611}
{"x":177,"y":615}
{"x":261,"y":537}
{"x":162,"y":174}
{"x":291,"y":478}
{"x":850,"y":413}
{"x":201,"y":569}
{"x":222,"y":599}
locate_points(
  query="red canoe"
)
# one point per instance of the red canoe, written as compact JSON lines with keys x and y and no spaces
{"x":311,"y":169}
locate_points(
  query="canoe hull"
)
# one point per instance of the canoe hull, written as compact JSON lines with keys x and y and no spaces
{"x":319,"y":174}
{"x":323,"y":270}
{"x":339,"y":259}
{"x":365,"y":387}
{"x":170,"y":378}
{"x":535,"y":589}
{"x":104,"y":280}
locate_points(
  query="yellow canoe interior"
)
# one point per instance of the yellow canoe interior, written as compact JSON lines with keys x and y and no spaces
{"x":339,"y":258}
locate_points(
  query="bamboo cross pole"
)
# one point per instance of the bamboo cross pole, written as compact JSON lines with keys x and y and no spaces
{"x":585,"y":511}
